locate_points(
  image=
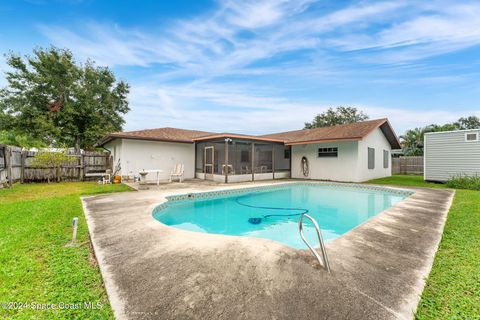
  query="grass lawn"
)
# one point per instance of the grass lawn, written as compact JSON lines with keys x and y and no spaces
{"x":35,"y":265}
{"x":452,"y":290}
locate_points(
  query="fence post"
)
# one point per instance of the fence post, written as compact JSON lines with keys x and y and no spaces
{"x":81,"y":171}
{"x":8,"y":160}
{"x":22,"y":165}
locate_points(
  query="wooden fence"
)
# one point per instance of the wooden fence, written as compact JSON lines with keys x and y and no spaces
{"x":407,"y":165}
{"x":16,"y":166}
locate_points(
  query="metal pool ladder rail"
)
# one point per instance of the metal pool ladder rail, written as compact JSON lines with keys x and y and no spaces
{"x":324,"y":260}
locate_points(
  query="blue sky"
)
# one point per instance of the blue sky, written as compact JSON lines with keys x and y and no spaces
{"x":267,"y":66}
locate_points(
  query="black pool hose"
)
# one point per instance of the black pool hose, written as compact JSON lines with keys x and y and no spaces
{"x":259,"y":220}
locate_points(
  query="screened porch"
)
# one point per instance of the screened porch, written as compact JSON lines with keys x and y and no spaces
{"x":231,"y":159}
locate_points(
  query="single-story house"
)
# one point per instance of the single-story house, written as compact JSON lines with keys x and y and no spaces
{"x":451,"y":153}
{"x":350,"y":152}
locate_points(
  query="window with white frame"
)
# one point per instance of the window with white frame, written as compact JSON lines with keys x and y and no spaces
{"x":471,"y":136}
{"x":328,"y":152}
{"x":386,"y":156}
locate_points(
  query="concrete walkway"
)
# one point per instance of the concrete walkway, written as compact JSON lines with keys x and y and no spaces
{"x":153,"y":271}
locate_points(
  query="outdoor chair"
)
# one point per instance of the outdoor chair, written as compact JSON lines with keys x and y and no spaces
{"x":245,"y":170}
{"x":230,"y":169}
{"x":177,"y":172}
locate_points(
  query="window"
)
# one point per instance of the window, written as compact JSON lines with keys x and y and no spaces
{"x":286,"y":154}
{"x":328,"y":152}
{"x":244,"y":156}
{"x":386,"y":155}
{"x":371,"y":158}
{"x":471,"y":136}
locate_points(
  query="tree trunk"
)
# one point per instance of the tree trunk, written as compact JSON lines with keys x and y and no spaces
{"x":77,"y":145}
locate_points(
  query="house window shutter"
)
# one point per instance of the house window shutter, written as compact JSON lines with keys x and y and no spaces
{"x":371,"y":158}
{"x":386,"y":155}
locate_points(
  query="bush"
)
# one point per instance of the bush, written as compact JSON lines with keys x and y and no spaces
{"x":53,"y":160}
{"x":464,"y":182}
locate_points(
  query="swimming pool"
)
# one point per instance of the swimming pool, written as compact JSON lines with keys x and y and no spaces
{"x":273,"y":212}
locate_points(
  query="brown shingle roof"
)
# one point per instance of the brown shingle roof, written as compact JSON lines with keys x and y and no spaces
{"x":352,"y":131}
{"x":238,"y":136}
{"x":159,"y":134}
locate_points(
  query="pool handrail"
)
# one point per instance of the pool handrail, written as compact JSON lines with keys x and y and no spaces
{"x":323,"y":261}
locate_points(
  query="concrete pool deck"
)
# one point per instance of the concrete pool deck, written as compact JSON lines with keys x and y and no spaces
{"x":152,"y":271}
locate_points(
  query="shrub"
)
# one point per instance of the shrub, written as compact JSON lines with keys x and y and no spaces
{"x":464,"y":182}
{"x":53,"y":160}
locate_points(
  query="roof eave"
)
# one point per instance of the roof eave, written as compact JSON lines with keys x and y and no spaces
{"x":111,"y":137}
{"x":394,"y":141}
{"x":234,"y":136}
{"x":322,"y":141}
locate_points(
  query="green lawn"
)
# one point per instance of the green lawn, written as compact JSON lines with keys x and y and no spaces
{"x":452,"y":290}
{"x":35,"y":265}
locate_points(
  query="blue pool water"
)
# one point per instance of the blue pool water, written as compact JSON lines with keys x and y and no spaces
{"x":336,"y":209}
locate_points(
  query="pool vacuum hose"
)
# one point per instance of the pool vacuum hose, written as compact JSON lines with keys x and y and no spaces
{"x":259,"y":220}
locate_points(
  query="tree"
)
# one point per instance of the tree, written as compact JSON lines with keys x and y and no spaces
{"x":340,"y":115}
{"x":471,"y":122}
{"x":20,"y":140}
{"x":412,"y":141}
{"x":52,"y":98}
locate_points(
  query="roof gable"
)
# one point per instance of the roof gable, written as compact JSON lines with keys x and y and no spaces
{"x":351,"y":131}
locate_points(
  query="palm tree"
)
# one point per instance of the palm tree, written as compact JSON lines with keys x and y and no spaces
{"x":412,"y":141}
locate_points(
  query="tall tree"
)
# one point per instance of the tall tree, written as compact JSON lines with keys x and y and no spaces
{"x":340,"y":115}
{"x":52,"y":98}
{"x":471,"y":122}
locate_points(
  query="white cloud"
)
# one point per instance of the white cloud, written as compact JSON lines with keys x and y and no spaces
{"x":212,"y":42}
{"x":231,"y":109}
{"x":434,"y":31}
{"x":238,"y":37}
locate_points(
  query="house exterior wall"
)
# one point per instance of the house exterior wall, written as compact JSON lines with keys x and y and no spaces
{"x":136,"y":155}
{"x":351,"y":165}
{"x":377,"y":141}
{"x":281,"y":163}
{"x":341,"y":168}
{"x":115,"y":148}
{"x":447,"y":154}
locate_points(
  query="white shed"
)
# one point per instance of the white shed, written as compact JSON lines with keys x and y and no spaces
{"x":451,"y":153}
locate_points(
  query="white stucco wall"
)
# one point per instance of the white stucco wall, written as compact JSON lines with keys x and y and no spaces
{"x":351,"y":165}
{"x":375,"y":140}
{"x":136,"y":155}
{"x":341,"y":168}
{"x":115,"y":148}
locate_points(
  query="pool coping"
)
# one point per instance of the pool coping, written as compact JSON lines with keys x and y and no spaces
{"x":107,"y":241}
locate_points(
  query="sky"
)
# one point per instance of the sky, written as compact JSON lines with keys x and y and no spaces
{"x":266,"y":66}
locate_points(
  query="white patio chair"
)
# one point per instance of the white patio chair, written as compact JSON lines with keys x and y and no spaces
{"x":177,"y":172}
